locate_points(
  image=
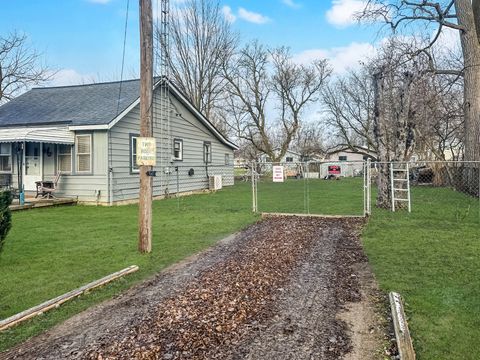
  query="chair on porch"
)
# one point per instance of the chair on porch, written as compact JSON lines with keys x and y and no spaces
{"x":46,"y":189}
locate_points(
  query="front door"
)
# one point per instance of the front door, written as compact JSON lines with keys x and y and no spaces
{"x":32,"y":165}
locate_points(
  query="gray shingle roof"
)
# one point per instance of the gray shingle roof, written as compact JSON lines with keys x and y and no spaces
{"x":93,"y":104}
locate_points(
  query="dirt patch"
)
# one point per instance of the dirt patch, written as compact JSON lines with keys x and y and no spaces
{"x":272,"y":292}
{"x":365,"y":319}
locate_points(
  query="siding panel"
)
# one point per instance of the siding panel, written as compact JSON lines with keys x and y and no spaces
{"x":184,"y":126}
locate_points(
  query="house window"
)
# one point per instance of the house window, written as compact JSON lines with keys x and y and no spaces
{"x":342,"y":158}
{"x":133,"y":154}
{"x":5,"y":157}
{"x":207,"y":152}
{"x":84,"y":153}
{"x":178,"y":149}
{"x":64,"y":158}
{"x":227,"y":159}
{"x":289,"y":159}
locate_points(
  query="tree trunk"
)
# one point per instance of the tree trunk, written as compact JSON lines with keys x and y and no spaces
{"x":471,"y":55}
{"x":476,"y":15}
{"x":383,"y":185}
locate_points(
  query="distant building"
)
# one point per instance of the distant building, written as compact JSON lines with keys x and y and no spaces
{"x":350,"y":161}
{"x":289,"y":157}
{"x":345,"y":153}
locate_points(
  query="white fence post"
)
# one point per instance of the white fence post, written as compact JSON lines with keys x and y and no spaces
{"x":254,"y":190}
{"x":391,"y":187}
{"x":369,"y":186}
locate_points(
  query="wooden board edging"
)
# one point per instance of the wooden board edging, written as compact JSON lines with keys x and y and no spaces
{"x":313,"y":215}
{"x":400,"y":325}
{"x":56,"y":302}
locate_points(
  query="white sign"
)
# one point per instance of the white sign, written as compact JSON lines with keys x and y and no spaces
{"x":146,"y":151}
{"x":278,"y":174}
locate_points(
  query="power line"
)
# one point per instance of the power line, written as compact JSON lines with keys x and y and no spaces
{"x":123,"y":56}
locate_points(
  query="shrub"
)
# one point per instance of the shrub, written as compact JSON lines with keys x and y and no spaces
{"x":5,"y":216}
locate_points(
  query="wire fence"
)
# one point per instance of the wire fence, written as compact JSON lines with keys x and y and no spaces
{"x":328,"y":188}
{"x":447,"y":188}
{"x":172,"y":181}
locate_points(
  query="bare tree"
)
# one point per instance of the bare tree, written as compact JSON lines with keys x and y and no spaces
{"x":20,"y":66}
{"x":348,"y":105}
{"x":309,"y":141}
{"x":438,"y":118}
{"x":394,"y":109}
{"x":454,"y":14}
{"x":268,"y":94}
{"x":201,"y":42}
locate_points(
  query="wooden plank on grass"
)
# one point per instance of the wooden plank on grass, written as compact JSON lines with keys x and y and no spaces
{"x":404,"y":341}
{"x":56,"y":302}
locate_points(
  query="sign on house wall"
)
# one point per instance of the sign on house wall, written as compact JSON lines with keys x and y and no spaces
{"x":277,"y":173}
{"x":146,"y":151}
{"x":334,"y":169}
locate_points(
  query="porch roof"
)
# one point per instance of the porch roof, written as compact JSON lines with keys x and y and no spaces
{"x":52,"y":134}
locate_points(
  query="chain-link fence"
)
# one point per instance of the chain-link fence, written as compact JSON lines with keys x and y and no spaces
{"x":445,"y":188}
{"x":325,"y":188}
{"x":174,"y":180}
{"x":450,"y":189}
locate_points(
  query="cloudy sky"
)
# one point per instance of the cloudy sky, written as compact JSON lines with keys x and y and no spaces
{"x":83,"y":39}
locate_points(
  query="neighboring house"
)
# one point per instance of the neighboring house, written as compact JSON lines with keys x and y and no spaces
{"x":350,"y":160}
{"x":289,"y":157}
{"x":88,"y":133}
{"x":347,"y":154}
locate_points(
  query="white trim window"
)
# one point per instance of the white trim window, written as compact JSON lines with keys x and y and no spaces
{"x":83,"y":152}
{"x":64,"y":158}
{"x":134,"y":168}
{"x":5,"y":158}
{"x":177,"y":149}
{"x":227,"y":159}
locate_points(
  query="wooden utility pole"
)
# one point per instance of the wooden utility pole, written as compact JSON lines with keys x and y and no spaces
{"x":146,"y":130}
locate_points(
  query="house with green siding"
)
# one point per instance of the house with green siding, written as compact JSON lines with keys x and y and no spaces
{"x":88,"y":134}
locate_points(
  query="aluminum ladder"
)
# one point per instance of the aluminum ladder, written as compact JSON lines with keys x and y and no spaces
{"x":400,"y":184}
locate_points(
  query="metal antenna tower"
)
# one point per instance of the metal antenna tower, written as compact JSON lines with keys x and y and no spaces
{"x":165,"y":113}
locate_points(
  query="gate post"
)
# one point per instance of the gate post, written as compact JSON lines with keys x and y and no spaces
{"x":254,"y":190}
{"x":365,"y":188}
{"x":369,"y":186}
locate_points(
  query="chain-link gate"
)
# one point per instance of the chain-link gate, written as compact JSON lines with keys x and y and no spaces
{"x":321,"y":188}
{"x":446,"y":188}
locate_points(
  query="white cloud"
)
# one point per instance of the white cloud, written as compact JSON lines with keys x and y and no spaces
{"x":342,"y":12}
{"x":341,"y":58}
{"x":307,"y":56}
{"x":70,"y":77}
{"x":449,"y":40}
{"x":228,"y":13}
{"x":292,"y":4}
{"x":252,"y":17}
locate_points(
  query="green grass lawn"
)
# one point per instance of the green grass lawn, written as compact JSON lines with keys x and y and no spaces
{"x":430,"y":256}
{"x":326,"y":197}
{"x":53,"y":250}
